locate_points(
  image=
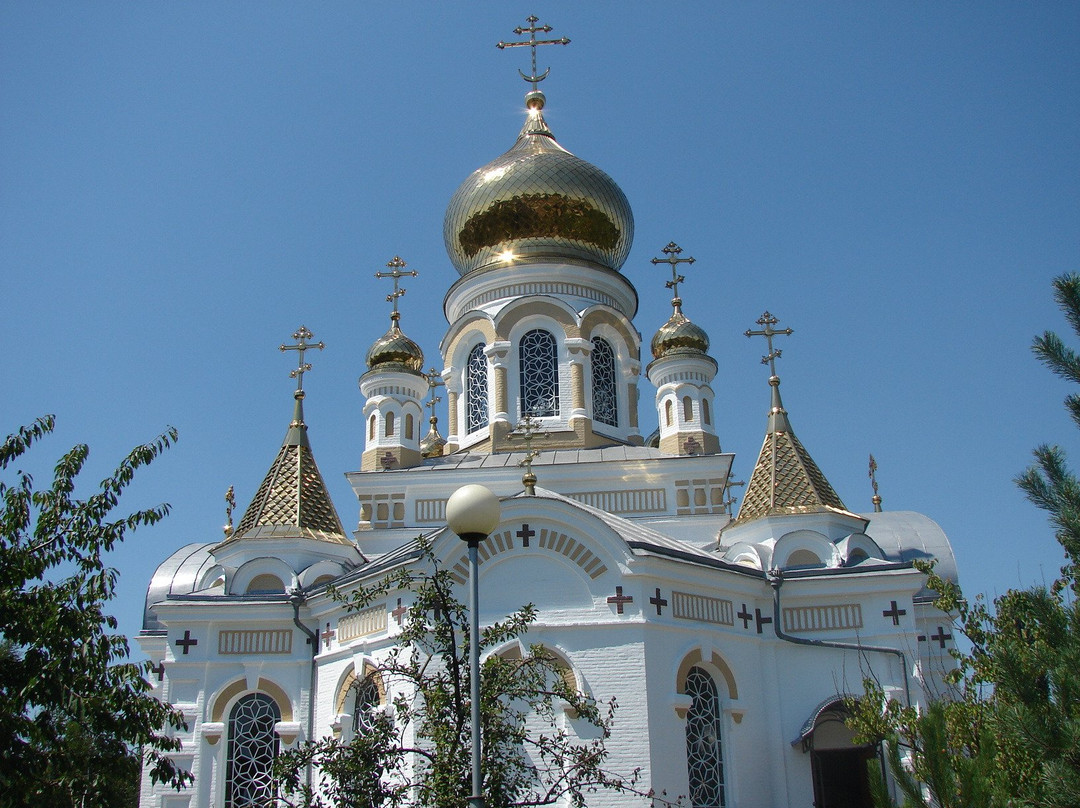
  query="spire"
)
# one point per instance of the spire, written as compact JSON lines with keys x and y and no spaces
{"x":292,"y":501}
{"x":786,"y":479}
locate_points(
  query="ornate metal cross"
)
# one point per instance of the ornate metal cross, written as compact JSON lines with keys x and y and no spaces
{"x":876,"y":499}
{"x":527,"y":429}
{"x":533,"y":42}
{"x":433,"y":380}
{"x":397,"y":272}
{"x":302,"y":336}
{"x":672,"y":251}
{"x":230,"y":506}
{"x":768,"y":321}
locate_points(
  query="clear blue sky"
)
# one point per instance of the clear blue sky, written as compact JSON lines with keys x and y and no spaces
{"x":183,"y":184}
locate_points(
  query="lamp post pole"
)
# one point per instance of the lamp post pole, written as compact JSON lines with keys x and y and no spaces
{"x":472,"y":512}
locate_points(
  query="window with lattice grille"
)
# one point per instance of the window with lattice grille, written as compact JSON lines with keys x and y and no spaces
{"x":253,"y":746}
{"x":476,"y":390}
{"x":537,"y":357}
{"x":704,"y":753}
{"x":604,"y":397}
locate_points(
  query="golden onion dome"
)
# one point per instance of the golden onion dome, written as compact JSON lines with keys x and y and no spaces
{"x":395,"y":351}
{"x":537,"y":202}
{"x":679,"y":336}
{"x":432,"y":444}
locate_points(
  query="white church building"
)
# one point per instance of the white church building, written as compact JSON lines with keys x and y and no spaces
{"x":728,"y":637}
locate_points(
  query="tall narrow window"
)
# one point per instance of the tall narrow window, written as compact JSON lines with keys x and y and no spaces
{"x":367,"y":702}
{"x":539,"y":374}
{"x":476,"y":390}
{"x":605,"y":404}
{"x":253,"y":745}
{"x":704,"y":754}
{"x":667,"y":412}
{"x":389,"y":424}
{"x":687,"y":409}
{"x":705,"y":416}
{"x":408,"y":426}
{"x":371,"y":427}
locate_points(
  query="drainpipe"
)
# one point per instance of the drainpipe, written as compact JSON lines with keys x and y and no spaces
{"x":296,"y":597}
{"x":776,"y":580}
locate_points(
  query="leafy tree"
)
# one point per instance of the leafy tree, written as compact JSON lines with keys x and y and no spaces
{"x":543,"y":739}
{"x":1009,"y":735}
{"x":71,"y":707}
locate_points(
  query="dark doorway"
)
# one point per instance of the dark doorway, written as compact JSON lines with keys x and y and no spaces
{"x":840,"y":777}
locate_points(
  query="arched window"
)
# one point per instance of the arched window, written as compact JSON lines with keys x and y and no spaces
{"x":253,"y":745}
{"x":389,"y":424}
{"x":667,"y":412}
{"x":687,"y":409}
{"x":705,"y":411}
{"x":367,"y":702}
{"x":371,"y":427}
{"x":704,"y":752}
{"x":604,"y":402}
{"x":539,"y":374}
{"x":408,"y":426}
{"x":265,"y":584}
{"x":476,"y":390}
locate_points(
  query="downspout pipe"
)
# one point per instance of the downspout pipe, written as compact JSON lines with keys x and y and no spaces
{"x":776,"y":580}
{"x":296,"y":597}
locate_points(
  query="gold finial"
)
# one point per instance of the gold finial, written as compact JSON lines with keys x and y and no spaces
{"x":768,"y":321}
{"x":672,"y":251}
{"x":230,"y":506}
{"x":876,"y":499}
{"x":397,"y":272}
{"x":535,"y":98}
{"x":526,"y":430}
{"x":302,"y":336}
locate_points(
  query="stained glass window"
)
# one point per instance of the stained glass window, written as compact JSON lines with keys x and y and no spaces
{"x":476,"y":390}
{"x":604,"y":401}
{"x":367,"y":701}
{"x":253,"y":745}
{"x":539,"y":374}
{"x":704,"y":754}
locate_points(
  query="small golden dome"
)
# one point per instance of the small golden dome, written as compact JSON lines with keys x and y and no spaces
{"x":537,"y":202}
{"x":395,"y":351}
{"x":432,"y":444}
{"x":679,"y":336}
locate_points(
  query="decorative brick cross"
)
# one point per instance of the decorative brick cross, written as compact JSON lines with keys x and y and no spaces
{"x":328,"y":635}
{"x":746,"y":617}
{"x":940,"y":637}
{"x":759,"y":619}
{"x":399,"y":612}
{"x":658,"y":601}
{"x":387,"y":461}
{"x":187,"y":641}
{"x":894,"y":613}
{"x":525,"y":534}
{"x":619,"y":599}
{"x":159,"y":669}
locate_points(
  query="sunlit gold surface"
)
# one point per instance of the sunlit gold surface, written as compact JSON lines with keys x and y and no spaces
{"x":679,"y":335}
{"x":395,"y":350}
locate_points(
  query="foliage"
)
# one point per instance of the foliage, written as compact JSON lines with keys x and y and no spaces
{"x":71,"y":706}
{"x":543,"y":739}
{"x":1009,"y":734}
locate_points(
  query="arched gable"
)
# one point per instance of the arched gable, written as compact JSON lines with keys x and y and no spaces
{"x":714,"y":663}
{"x":261,"y":566}
{"x":533,"y":308}
{"x":792,"y":548}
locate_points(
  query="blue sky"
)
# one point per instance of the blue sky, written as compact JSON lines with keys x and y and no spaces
{"x":183,"y":184}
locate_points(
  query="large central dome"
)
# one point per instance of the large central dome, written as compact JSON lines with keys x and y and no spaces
{"x":537,"y":202}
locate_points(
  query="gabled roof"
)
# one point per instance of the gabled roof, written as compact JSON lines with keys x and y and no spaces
{"x":292,"y":501}
{"x":786,"y":479}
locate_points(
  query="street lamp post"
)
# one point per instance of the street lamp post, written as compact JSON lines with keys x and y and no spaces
{"x":472,"y":512}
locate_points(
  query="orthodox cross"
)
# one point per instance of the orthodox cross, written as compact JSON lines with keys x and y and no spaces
{"x":397,"y":272}
{"x":619,"y":599}
{"x":768,"y":321}
{"x":876,"y":499}
{"x":433,"y":380}
{"x":327,"y":636}
{"x":533,"y":42}
{"x":894,"y":613}
{"x":658,"y":601}
{"x":302,"y":336}
{"x":230,"y":506}
{"x":526,"y":430}
{"x":672,"y":251}
{"x":730,"y":500}
{"x":187,"y":641}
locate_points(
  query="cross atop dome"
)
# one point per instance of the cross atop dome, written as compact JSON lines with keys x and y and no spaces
{"x":672,"y":251}
{"x":397,"y":272}
{"x":534,"y":99}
